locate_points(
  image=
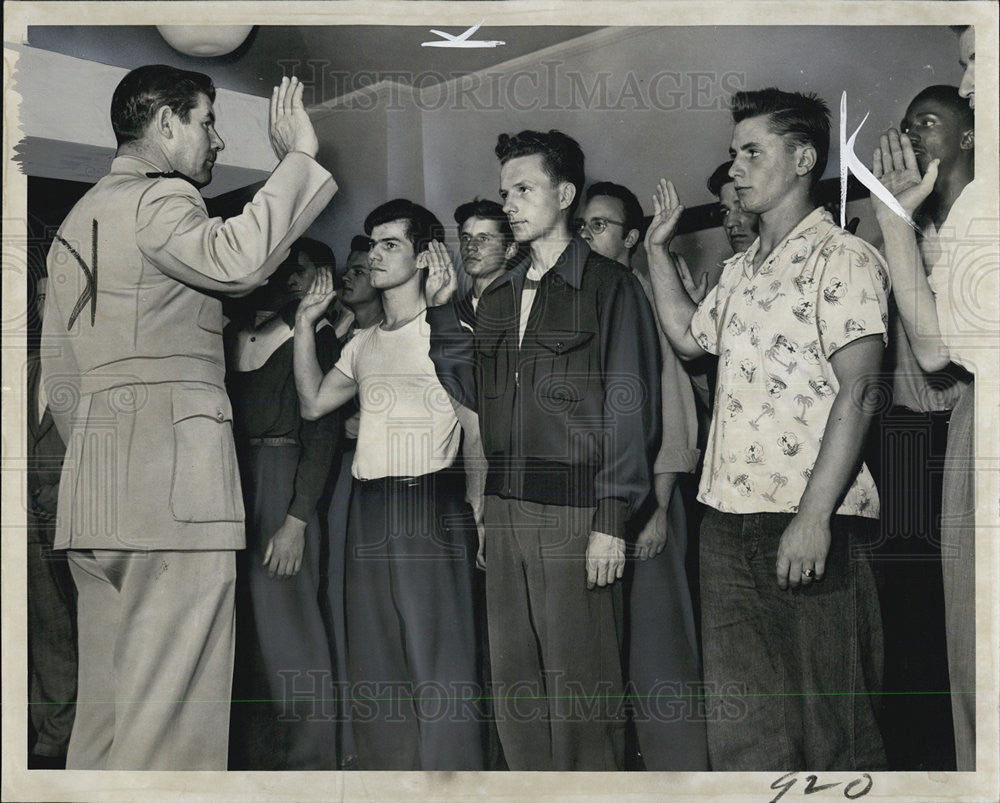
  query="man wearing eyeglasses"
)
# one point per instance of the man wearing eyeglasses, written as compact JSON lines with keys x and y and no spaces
{"x":662,"y":659}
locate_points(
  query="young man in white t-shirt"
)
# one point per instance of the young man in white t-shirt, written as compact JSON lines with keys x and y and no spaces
{"x":411,"y":546}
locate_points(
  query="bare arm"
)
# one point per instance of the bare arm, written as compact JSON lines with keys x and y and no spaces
{"x":318,"y":394}
{"x":653,"y":537}
{"x":806,"y":541}
{"x":896,"y":166}
{"x":673,"y":305}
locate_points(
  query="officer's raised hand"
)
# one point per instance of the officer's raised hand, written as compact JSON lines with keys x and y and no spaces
{"x":289,"y":125}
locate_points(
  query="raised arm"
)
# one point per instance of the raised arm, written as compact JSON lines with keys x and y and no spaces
{"x":232,"y":257}
{"x":895,"y":165}
{"x":319,"y":394}
{"x":673,"y":304}
{"x":451,"y":348}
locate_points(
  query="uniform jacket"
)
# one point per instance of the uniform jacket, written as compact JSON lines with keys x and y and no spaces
{"x":571,"y":416}
{"x":133,"y":358}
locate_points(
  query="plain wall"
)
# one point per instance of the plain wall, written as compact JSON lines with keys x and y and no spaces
{"x":662,"y":111}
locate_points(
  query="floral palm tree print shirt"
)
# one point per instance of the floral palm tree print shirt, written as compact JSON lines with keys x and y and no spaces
{"x":774,"y":331}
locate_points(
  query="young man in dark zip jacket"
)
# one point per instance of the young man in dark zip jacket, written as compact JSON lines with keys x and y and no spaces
{"x":563,"y":371}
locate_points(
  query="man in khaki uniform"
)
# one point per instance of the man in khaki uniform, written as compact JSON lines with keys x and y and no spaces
{"x":150,"y":504}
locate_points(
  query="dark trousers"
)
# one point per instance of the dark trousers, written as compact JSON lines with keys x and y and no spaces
{"x":906,"y":456}
{"x":792,"y":676}
{"x":554,"y":644}
{"x":51,"y":642}
{"x":333,"y":585}
{"x":664,"y":675}
{"x":411,"y":637}
{"x":288,"y":620}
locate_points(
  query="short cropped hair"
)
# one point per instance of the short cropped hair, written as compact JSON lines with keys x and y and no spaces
{"x":359,"y":242}
{"x":487,"y":210}
{"x":421,"y":224}
{"x":562,"y":156}
{"x":720,"y":178}
{"x":802,"y":118}
{"x":145,"y":89}
{"x":948,"y":97}
{"x":319,"y":252}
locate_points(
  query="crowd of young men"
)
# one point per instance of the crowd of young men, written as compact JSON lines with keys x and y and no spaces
{"x":533,"y":427}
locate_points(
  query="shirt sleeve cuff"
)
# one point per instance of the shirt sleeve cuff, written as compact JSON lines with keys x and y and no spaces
{"x":610,"y":517}
{"x":682,"y":461}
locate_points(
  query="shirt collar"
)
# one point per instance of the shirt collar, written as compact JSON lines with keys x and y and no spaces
{"x":819,"y":220}
{"x":569,"y":266}
{"x":130,"y":163}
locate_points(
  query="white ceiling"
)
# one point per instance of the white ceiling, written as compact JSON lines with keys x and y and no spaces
{"x":336,"y":59}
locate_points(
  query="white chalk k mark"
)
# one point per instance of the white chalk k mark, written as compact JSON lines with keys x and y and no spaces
{"x":462,"y":39}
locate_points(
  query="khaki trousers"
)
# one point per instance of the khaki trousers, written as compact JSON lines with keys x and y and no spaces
{"x":156,"y":636}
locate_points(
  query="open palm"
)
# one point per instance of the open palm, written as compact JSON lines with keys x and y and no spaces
{"x":895,"y":165}
{"x":667,"y":210}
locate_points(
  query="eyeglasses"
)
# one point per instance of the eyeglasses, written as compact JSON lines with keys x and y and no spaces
{"x":596,"y":225}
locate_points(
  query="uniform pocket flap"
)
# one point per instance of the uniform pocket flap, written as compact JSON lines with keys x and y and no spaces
{"x":201,"y":402}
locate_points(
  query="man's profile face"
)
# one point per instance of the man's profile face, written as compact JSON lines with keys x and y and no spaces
{"x":607,"y":214}
{"x":357,"y":286}
{"x":196,"y":143}
{"x":967,"y":58}
{"x":935,"y":131}
{"x":530,"y":197}
{"x":740,"y":226}
{"x":482,"y":246}
{"x":764,"y":164}
{"x":391,"y":260}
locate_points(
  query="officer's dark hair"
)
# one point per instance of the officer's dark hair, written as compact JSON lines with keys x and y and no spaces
{"x":948,"y":97}
{"x":487,"y":210}
{"x":804,"y":119}
{"x":421,"y":224}
{"x":720,"y":178}
{"x":146,"y":89}
{"x":562,"y":157}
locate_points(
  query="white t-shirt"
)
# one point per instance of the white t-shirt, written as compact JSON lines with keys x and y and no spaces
{"x":408,"y":425}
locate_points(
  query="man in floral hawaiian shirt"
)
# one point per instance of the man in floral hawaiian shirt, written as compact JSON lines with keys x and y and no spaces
{"x":790,"y":618}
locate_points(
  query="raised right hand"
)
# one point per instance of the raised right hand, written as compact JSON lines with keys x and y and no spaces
{"x":441,"y":281}
{"x":895,"y":165}
{"x":317,"y":299}
{"x":667,"y":210}
{"x":289,"y":126}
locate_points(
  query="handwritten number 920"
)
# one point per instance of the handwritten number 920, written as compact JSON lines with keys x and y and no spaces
{"x":859,"y":787}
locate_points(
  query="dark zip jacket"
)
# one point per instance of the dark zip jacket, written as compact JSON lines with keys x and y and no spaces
{"x":571,"y":417}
